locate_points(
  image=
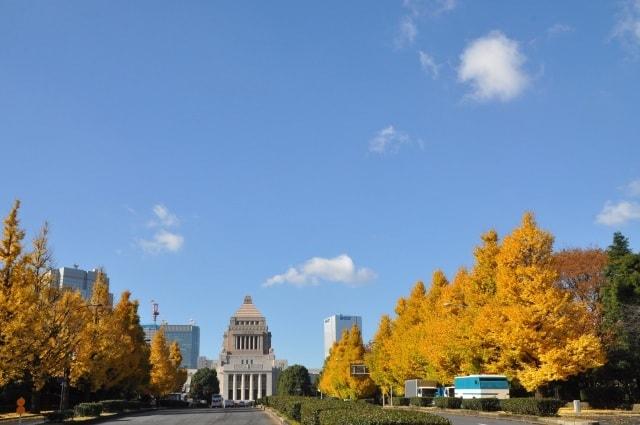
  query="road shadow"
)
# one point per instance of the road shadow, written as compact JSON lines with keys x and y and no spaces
{"x":177,"y":412}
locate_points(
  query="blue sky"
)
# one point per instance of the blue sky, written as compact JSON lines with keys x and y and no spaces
{"x":320,"y":156}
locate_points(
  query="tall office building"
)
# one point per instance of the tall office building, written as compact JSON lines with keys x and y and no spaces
{"x":334,"y":326}
{"x":74,"y":278}
{"x":187,"y":336}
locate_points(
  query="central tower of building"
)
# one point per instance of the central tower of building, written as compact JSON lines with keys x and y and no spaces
{"x":247,"y":369}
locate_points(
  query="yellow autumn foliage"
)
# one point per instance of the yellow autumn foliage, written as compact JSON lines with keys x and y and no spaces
{"x":506,"y":315}
{"x":336,"y":379}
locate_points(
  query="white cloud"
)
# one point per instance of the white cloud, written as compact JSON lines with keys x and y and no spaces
{"x":407,"y":32}
{"x":492,"y":65}
{"x":428,"y":64}
{"x":633,"y":188}
{"x":163,"y":241}
{"x":620,"y":213}
{"x":340,"y":269}
{"x":627,"y":28}
{"x":558,"y":29}
{"x":163,"y":217}
{"x":433,"y":7}
{"x":388,"y":140}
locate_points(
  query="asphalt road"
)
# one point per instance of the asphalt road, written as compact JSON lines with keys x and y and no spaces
{"x":235,"y":416}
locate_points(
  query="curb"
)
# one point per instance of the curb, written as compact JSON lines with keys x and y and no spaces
{"x":42,"y":420}
{"x":274,"y":415}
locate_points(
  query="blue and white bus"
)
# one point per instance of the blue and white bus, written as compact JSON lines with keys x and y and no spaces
{"x":481,"y":386}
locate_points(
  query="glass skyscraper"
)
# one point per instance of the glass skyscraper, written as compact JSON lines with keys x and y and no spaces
{"x":187,"y":336}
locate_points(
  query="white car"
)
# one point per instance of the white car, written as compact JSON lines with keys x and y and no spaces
{"x":227,"y":403}
{"x":216,"y":401}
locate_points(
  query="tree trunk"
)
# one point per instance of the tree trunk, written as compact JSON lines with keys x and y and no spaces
{"x":36,"y":397}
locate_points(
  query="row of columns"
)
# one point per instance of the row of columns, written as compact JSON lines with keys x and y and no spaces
{"x":242,"y":378}
{"x":248,"y":342}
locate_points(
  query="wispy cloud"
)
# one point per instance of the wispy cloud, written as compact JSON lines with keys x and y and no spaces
{"x":407,"y":32}
{"x":414,"y":10}
{"x":427,"y":64}
{"x":162,"y":241}
{"x":492,"y":65}
{"x":615,"y":214}
{"x":340,"y":269}
{"x":388,"y":140}
{"x":558,"y":29}
{"x":627,"y":27}
{"x":430,"y":7}
{"x":163,"y":217}
{"x":633,"y":188}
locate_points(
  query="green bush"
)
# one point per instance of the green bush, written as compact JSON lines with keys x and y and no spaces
{"x":532,"y":406}
{"x":58,"y":415}
{"x":311,"y":408}
{"x":483,"y":404}
{"x":379,"y":416}
{"x":337,"y":412}
{"x":288,"y":405}
{"x":400,"y":401}
{"x":113,"y":406}
{"x":447,"y":402}
{"x":421,"y":401}
{"x":133,"y":405}
{"x":87,"y":409}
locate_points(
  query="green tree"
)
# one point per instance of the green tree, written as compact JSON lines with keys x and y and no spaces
{"x":204,"y":384}
{"x":621,"y":319}
{"x":294,"y":380}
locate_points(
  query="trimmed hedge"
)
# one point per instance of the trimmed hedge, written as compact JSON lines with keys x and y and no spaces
{"x":532,"y":406}
{"x":421,"y":401}
{"x":58,"y":415}
{"x":380,"y":416}
{"x":482,"y":404}
{"x":173,"y":404}
{"x":310,"y":409}
{"x":289,"y":406}
{"x":400,"y":401}
{"x":117,"y":406}
{"x":337,"y":412}
{"x":448,"y":402}
{"x":87,"y":409}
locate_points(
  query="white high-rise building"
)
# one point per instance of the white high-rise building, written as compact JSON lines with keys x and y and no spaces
{"x":335,"y":325}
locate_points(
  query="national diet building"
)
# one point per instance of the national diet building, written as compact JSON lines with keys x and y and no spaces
{"x":248,"y":369}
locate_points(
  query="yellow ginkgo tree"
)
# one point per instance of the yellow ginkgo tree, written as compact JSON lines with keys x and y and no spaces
{"x":537,"y":325}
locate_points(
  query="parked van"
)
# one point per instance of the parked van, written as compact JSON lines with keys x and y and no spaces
{"x":481,"y":386}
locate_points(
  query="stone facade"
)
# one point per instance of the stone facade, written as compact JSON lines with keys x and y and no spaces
{"x":247,"y":368}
